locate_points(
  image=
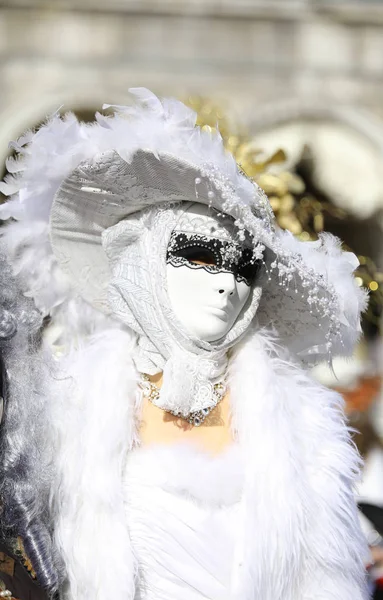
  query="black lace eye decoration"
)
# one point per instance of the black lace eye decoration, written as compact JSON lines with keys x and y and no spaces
{"x":213,"y":255}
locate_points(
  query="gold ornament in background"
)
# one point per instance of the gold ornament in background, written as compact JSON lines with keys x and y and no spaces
{"x":295,"y":210}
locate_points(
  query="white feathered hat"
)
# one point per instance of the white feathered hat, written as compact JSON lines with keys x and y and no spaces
{"x":75,"y":180}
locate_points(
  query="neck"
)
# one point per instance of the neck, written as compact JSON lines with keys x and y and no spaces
{"x":156,"y":379}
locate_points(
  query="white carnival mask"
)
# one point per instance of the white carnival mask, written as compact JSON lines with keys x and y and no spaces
{"x":209,"y":272}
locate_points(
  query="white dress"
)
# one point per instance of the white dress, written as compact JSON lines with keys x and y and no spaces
{"x":183,"y":511}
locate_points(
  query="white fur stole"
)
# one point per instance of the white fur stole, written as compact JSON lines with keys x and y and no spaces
{"x":300,"y":532}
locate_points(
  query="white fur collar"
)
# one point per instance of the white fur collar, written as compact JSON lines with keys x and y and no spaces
{"x":300,"y":530}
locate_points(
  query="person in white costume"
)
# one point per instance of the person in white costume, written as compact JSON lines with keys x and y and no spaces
{"x":187,"y":453}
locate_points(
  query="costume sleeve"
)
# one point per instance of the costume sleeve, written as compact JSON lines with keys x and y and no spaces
{"x":335,"y":548}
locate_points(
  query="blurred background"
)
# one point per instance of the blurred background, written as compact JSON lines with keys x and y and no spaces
{"x":296,"y":87}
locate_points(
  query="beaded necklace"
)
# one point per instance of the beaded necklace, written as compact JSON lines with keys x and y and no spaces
{"x":151,"y":392}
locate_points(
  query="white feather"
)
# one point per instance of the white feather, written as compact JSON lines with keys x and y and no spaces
{"x":94,"y":428}
{"x":301,"y":530}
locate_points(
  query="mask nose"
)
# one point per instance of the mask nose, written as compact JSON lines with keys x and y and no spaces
{"x":225,"y":284}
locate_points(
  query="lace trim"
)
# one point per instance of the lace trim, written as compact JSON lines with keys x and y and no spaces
{"x":180,"y":261}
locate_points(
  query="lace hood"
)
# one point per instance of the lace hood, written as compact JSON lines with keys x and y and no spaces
{"x":136,"y":248}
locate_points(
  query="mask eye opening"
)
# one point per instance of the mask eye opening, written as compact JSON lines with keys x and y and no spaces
{"x":199,"y":255}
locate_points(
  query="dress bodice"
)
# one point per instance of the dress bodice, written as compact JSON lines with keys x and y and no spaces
{"x":182,"y":508}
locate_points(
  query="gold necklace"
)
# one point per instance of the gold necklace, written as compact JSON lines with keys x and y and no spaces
{"x":151,"y":392}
